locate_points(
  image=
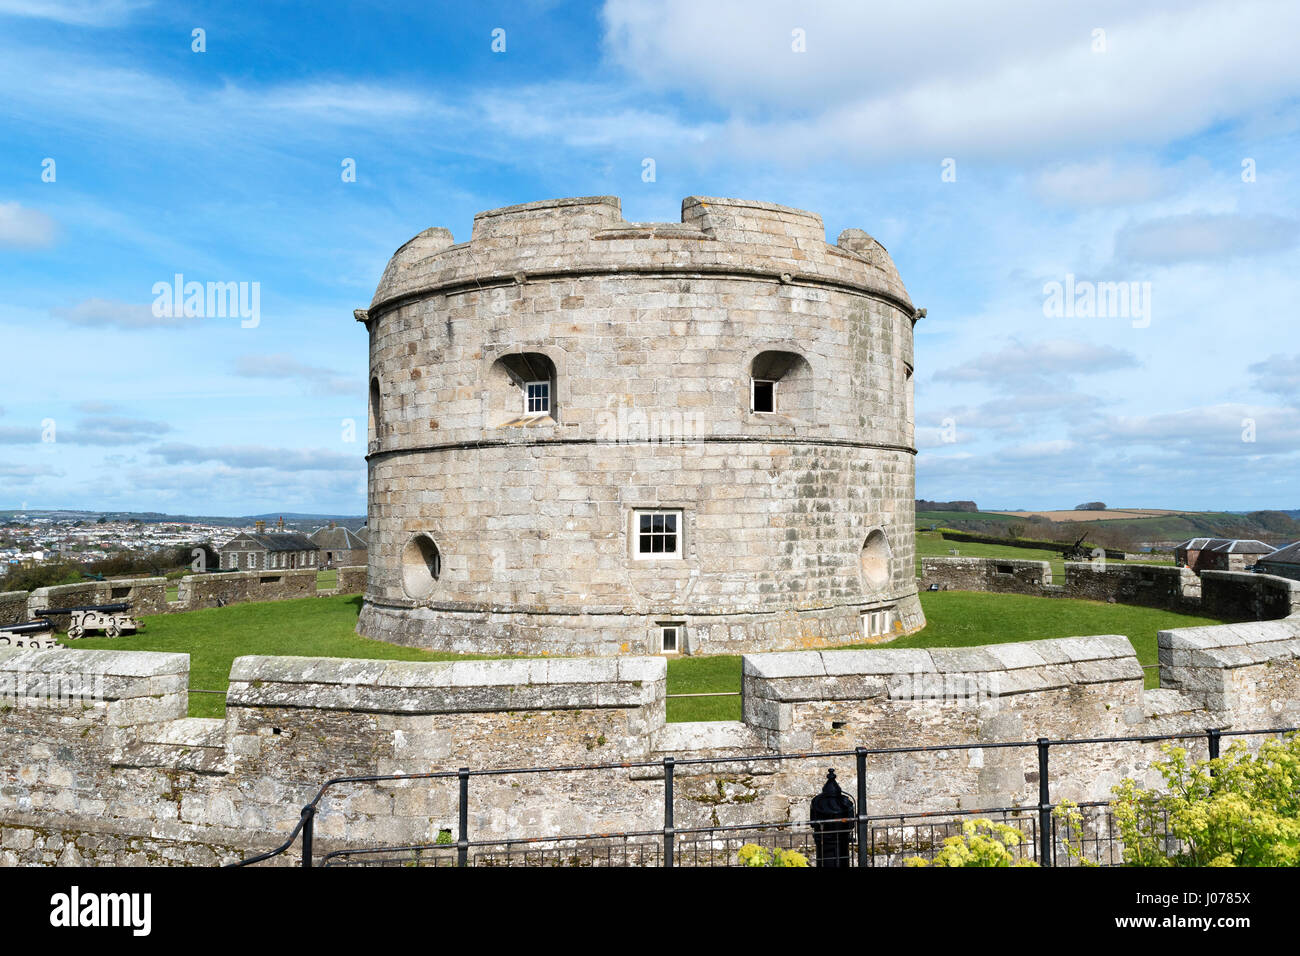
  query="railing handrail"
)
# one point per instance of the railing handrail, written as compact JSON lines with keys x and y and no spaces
{"x":668,"y":764}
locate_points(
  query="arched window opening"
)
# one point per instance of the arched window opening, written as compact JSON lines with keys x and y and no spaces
{"x":874,"y":560}
{"x":421,"y":566}
{"x":780,"y":383}
{"x":376,"y":413}
{"x":522,"y":390}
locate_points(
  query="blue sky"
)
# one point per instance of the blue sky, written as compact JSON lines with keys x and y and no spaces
{"x":1159,"y":152}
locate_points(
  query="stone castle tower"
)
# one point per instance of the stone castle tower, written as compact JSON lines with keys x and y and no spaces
{"x":594,"y":437}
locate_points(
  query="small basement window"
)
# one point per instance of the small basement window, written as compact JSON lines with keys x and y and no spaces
{"x":537,"y":398}
{"x":671,"y":637}
{"x":658,"y":534}
{"x":763,"y":396}
{"x":878,"y":623}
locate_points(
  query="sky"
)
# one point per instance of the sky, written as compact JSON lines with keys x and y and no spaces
{"x":1014,"y":157}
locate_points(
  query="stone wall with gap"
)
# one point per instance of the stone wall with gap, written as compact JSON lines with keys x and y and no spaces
{"x":1229,"y":595}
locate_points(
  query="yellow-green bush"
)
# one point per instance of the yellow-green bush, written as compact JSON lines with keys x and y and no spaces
{"x":1237,"y":810}
{"x":982,"y":843}
{"x":751,"y":854}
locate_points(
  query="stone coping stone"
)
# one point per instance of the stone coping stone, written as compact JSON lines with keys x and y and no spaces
{"x":1230,"y":645}
{"x":65,"y":660}
{"x":987,"y":657}
{"x":912,"y":673}
{"x":446,"y":686}
{"x":1163,"y":701}
{"x":710,"y":735}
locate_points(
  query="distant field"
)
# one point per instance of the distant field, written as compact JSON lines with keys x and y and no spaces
{"x":1110,"y":514}
{"x":945,"y":519}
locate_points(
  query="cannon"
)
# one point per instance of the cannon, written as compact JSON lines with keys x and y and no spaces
{"x":33,"y":634}
{"x":112,"y":619}
{"x":1078,"y":552}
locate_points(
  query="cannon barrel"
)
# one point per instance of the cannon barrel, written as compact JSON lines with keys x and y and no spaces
{"x":52,"y":611}
{"x":30,"y":627}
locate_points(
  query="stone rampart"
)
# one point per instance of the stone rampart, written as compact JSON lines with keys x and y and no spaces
{"x":98,"y":763}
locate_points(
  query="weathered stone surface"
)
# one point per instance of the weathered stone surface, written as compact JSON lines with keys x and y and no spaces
{"x":125,"y":778}
{"x":649,"y":334}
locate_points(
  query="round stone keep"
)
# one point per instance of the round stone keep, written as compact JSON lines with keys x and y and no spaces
{"x":597,"y":437}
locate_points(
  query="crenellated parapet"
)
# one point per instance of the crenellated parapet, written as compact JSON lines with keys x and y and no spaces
{"x":589,"y":236}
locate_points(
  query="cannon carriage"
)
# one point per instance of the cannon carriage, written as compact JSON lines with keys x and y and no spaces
{"x":112,"y":619}
{"x":1078,"y":552}
{"x":32,"y":634}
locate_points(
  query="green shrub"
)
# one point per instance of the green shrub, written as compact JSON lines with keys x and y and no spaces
{"x":751,"y":854}
{"x":1237,"y":810}
{"x":982,"y":843}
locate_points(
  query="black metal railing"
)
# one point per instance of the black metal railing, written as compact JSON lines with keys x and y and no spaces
{"x":880,"y":839}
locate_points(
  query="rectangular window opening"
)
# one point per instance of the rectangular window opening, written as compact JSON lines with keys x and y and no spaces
{"x":658,"y":534}
{"x":878,"y":623}
{"x":537,"y":398}
{"x":670,"y":637}
{"x":764,"y":395}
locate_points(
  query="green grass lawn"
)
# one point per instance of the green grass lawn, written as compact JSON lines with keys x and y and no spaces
{"x":953,"y":619}
{"x":214,"y":637}
{"x":325,"y":627}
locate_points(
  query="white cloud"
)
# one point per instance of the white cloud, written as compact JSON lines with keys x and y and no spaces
{"x":1200,"y":236}
{"x":260,"y":456}
{"x":1104,"y":182}
{"x":1279,"y":374}
{"x":952,"y":78}
{"x":280,"y":366}
{"x":96,"y":13}
{"x":1018,"y":365}
{"x":24,"y":227}
{"x":106,"y":313}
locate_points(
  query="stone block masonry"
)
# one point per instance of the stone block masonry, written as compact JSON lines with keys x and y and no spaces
{"x":536,"y":391}
{"x":13,"y":607}
{"x":99,"y":765}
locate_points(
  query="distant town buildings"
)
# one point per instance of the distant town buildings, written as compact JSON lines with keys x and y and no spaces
{"x":339,"y":547}
{"x":261,"y":550}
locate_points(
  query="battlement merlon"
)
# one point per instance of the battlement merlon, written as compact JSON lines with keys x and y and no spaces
{"x":588,"y":236}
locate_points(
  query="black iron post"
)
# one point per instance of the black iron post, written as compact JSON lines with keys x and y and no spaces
{"x":462,"y":842}
{"x":862,"y":806}
{"x":1044,"y":807}
{"x":669,"y":833}
{"x":308,"y":826}
{"x":1213,"y":733}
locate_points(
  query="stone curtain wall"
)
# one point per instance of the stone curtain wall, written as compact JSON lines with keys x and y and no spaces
{"x":149,"y":595}
{"x":1011,"y":576}
{"x":13,"y":607}
{"x":1249,"y":596}
{"x":214,"y":590}
{"x":1225,"y":594}
{"x":118,"y":775}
